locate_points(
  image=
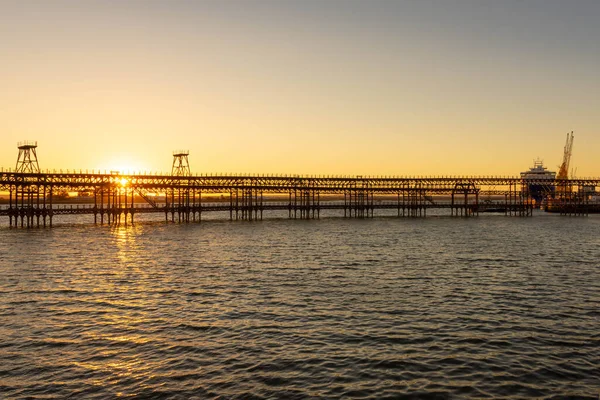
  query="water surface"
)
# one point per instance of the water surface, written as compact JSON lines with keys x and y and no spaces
{"x":336,"y":308}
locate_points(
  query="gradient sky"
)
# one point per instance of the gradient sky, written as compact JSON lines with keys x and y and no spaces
{"x":307,"y":87}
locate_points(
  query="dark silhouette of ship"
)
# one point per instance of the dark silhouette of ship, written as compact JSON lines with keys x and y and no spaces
{"x":537,"y":175}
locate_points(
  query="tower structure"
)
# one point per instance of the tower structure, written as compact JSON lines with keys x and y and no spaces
{"x":181,"y":164}
{"x":563,"y":172}
{"x":564,"y":188}
{"x":27,"y":161}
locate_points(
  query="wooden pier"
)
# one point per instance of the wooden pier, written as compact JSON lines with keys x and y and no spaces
{"x":116,"y":198}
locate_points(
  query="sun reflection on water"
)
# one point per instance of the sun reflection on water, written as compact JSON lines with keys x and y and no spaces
{"x":119,"y":331}
{"x":126,"y":241}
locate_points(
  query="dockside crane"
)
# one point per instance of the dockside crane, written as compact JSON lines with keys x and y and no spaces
{"x":563,"y":172}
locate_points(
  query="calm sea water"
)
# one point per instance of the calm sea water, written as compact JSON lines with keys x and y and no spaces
{"x":439,"y":307}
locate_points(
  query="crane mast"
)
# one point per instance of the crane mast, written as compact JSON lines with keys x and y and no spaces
{"x":563,"y":188}
{"x":563,"y":172}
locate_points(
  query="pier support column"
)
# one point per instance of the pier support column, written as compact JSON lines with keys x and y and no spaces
{"x":10,"y":207}
{"x":132,"y":208}
{"x":51,"y":210}
{"x":44,"y":210}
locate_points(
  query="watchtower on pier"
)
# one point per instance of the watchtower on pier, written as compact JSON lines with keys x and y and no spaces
{"x":181,"y":164}
{"x":27,"y":161}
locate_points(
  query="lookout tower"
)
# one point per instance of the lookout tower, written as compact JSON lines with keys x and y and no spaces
{"x":181,"y":165}
{"x":27,"y":161}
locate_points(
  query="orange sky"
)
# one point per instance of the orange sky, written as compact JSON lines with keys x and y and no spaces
{"x":315,"y":87}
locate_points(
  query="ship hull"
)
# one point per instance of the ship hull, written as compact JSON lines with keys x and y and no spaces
{"x":539,"y":192}
{"x":572,"y":207}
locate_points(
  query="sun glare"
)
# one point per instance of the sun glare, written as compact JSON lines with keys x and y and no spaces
{"x":124,"y":182}
{"x":123,"y":164}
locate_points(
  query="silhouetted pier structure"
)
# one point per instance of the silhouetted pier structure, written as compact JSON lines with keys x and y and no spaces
{"x":115,"y":198}
{"x":33,"y":194}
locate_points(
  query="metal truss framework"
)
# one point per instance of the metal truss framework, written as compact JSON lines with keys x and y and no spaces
{"x":32,"y":195}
